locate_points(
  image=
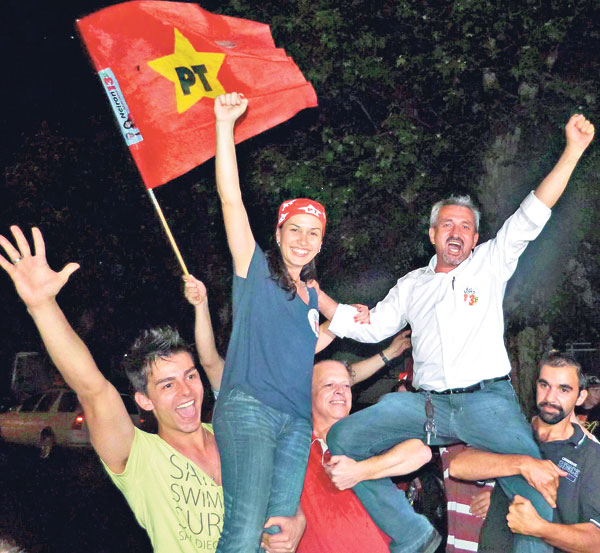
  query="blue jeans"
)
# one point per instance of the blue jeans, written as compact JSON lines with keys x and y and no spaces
{"x":488,"y":419}
{"x":263,"y":460}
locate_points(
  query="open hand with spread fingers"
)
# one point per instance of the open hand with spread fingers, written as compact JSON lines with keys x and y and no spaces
{"x":36,"y":283}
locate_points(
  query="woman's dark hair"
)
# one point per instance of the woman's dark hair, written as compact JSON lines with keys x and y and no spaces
{"x":280,"y":274}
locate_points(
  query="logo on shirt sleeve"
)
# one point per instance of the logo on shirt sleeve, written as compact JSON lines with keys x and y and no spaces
{"x":313,"y":320}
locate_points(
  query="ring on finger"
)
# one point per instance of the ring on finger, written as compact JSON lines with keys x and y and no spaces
{"x":15,"y":261}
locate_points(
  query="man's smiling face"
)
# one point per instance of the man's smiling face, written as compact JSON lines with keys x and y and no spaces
{"x":332,"y":398}
{"x":174,"y":394}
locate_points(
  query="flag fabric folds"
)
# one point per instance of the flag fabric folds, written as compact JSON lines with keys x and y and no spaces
{"x":163,"y":63}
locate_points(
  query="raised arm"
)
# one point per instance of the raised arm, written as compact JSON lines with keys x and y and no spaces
{"x":211,"y":361}
{"x":361,"y":370}
{"x":403,"y":458}
{"x":473,"y":464}
{"x":228,"y":108}
{"x":579,"y":132}
{"x":110,"y":426}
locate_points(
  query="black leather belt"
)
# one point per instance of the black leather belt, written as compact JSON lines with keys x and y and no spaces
{"x":470,"y":389}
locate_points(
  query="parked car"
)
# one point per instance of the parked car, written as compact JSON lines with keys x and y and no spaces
{"x":53,"y":417}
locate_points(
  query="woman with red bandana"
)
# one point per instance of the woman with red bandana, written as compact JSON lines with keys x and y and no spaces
{"x":262,"y":418}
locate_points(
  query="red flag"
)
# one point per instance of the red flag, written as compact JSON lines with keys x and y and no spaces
{"x":163,"y":63}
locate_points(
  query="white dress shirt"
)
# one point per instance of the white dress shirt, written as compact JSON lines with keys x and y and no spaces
{"x":456,"y":318}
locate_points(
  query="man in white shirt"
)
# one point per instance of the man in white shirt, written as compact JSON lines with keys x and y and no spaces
{"x":454,"y":307}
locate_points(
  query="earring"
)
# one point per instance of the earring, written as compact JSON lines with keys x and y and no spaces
{"x":278,"y":244}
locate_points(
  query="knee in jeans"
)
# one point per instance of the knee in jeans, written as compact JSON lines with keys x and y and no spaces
{"x":338,"y":437}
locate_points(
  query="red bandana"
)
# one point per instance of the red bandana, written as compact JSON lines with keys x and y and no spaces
{"x":301,"y":206}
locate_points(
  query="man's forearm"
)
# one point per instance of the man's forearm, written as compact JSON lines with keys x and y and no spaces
{"x":368,"y":367}
{"x":579,"y":134}
{"x":361,"y":370}
{"x":552,"y":187}
{"x":543,"y":475}
{"x":572,"y":538}
{"x":68,"y":352}
{"x":403,"y":458}
{"x":386,"y":318}
{"x":473,"y":464}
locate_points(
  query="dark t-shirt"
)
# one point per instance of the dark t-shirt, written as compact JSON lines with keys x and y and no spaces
{"x":272,"y":347}
{"x":578,"y":496}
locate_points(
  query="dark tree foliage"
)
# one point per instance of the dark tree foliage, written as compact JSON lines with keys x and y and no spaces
{"x":413,"y":99}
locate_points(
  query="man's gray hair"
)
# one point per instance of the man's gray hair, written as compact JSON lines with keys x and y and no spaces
{"x":461,"y":201}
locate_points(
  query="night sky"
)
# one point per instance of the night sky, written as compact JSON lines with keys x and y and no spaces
{"x":51,"y":88}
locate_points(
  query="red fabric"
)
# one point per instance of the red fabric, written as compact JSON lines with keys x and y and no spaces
{"x":463,"y":528}
{"x":174,"y":131}
{"x":336,"y":521}
{"x":302,"y":206}
{"x":407,"y":373}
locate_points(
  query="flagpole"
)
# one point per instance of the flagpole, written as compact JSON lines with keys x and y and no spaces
{"x":167,"y":230}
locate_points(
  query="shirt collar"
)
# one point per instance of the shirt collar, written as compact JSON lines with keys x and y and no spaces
{"x":321,"y":441}
{"x":578,"y":436}
{"x":324,"y":447}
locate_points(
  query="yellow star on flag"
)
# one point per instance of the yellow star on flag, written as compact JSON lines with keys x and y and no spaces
{"x":194,"y":74}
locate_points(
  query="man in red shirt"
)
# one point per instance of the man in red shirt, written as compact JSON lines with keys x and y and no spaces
{"x":335,"y":518}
